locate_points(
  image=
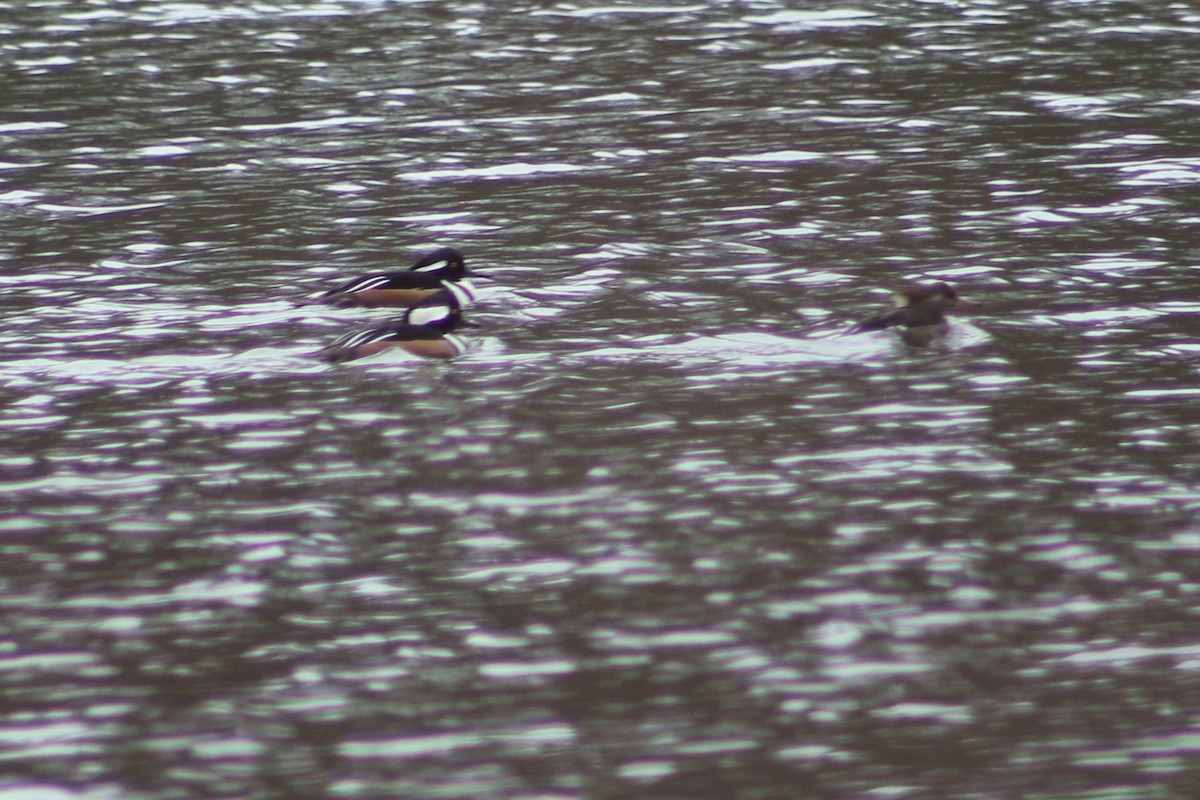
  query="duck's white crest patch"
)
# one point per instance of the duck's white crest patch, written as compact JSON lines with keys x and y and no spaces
{"x":434,"y":267}
{"x":428,"y":315}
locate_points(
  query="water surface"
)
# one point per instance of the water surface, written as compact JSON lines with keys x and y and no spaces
{"x":666,"y":531}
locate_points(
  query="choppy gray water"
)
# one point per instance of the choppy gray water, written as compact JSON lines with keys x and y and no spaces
{"x":665,"y":532}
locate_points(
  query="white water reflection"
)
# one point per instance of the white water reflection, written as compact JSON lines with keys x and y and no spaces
{"x":751,"y":351}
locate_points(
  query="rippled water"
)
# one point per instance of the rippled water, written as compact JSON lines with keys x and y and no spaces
{"x":665,"y":531}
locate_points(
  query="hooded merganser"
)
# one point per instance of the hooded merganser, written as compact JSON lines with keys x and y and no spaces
{"x":920,"y":312}
{"x":425,"y":330}
{"x":401,"y":288}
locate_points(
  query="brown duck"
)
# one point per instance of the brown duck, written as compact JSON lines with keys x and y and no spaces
{"x":920,"y":313}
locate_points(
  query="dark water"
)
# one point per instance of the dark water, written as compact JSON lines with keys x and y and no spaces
{"x":665,"y":532}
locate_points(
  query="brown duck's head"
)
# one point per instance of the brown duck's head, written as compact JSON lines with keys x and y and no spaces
{"x":931,"y":296}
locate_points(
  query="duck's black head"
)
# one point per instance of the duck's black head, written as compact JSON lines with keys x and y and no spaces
{"x":932,"y":294}
{"x":444,"y":259}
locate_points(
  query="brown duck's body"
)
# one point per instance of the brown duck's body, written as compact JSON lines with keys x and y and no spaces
{"x":920,"y":313}
{"x":377,"y":298}
{"x":443,"y":346}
